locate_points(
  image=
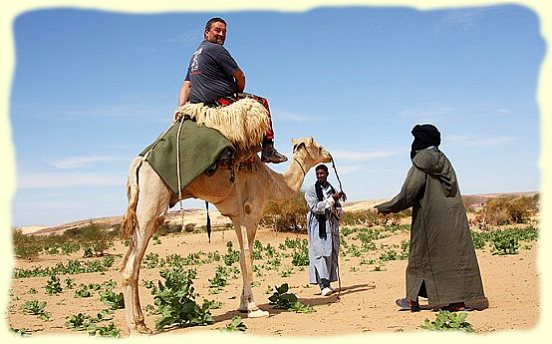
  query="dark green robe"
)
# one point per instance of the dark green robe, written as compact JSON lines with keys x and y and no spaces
{"x":441,"y":255}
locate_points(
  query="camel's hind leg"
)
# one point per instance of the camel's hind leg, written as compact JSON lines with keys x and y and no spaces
{"x":151,"y":208}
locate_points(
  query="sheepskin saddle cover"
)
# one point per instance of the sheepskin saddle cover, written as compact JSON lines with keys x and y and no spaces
{"x":243,"y":122}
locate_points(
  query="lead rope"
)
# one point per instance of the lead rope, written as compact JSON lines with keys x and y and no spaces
{"x":344,"y":197}
{"x":178,"y":175}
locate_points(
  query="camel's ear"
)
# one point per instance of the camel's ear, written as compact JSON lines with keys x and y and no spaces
{"x":293,"y":142}
{"x":297,"y":143}
{"x":310,"y":140}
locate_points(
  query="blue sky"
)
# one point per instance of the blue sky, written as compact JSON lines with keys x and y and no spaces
{"x":92,"y":88}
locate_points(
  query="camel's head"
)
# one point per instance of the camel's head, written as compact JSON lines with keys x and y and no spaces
{"x":314,"y":152}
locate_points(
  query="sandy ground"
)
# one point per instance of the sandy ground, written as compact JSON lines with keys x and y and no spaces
{"x":366,"y":303}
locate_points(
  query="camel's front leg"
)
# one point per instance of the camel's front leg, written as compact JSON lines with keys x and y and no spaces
{"x":247,"y":301}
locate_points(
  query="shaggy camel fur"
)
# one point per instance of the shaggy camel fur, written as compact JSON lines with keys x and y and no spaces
{"x":242,"y":201}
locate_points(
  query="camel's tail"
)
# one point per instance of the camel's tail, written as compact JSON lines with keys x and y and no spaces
{"x":130,"y":221}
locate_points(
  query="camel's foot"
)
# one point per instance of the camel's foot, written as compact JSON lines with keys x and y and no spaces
{"x":258,"y":313}
{"x":143,"y":329}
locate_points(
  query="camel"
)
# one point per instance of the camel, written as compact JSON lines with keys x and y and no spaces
{"x":242,"y":201}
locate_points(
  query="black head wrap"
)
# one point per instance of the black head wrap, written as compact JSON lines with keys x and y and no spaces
{"x":322,"y":217}
{"x":425,"y":135}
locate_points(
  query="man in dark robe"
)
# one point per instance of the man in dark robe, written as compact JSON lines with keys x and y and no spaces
{"x":442,"y":265}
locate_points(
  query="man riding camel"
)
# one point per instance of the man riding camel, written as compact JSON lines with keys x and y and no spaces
{"x":214,"y":78}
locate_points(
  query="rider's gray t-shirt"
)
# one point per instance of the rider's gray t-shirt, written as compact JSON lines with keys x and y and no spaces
{"x":210,"y":73}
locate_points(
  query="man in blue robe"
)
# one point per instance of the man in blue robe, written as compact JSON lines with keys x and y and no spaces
{"x":323,"y":230}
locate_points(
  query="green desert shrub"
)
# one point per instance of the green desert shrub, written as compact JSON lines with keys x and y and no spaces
{"x":508,"y":210}
{"x":290,"y":215}
{"x":365,"y":217}
{"x":25,"y":246}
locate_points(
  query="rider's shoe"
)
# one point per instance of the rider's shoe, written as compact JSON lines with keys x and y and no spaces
{"x":270,"y":154}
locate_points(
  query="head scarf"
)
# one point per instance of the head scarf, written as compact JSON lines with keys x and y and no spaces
{"x":321,"y":217}
{"x":425,"y":135}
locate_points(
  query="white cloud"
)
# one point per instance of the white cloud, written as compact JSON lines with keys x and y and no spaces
{"x":344,"y":170}
{"x":479,"y":142}
{"x":466,"y":19}
{"x":361,"y":156}
{"x":120,"y":111}
{"x":186,"y":37}
{"x":79,"y":161}
{"x":291,"y":116}
{"x":67,"y":180}
{"x":504,"y":111}
{"x":430,"y":111}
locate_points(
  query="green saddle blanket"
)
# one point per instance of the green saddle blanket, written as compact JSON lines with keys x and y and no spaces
{"x":200,"y":148}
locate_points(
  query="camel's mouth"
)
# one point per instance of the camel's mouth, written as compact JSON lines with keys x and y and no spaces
{"x":326,"y":156}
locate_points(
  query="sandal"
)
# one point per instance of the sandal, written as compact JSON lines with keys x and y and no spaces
{"x":407,"y":305}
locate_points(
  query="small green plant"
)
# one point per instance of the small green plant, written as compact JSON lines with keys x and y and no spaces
{"x":78,"y":322}
{"x":273,"y":264}
{"x":447,"y":321}
{"x":156,"y":240}
{"x":300,"y":257}
{"x":150,"y":261}
{"x":70,"y":283}
{"x":53,"y":286}
{"x":268,"y":289}
{"x":281,"y":298}
{"x":214,"y":256}
{"x":217,"y":283}
{"x":109,"y":284}
{"x":20,"y":331}
{"x":389,"y":255}
{"x":104,"y":331}
{"x":36,"y":307}
{"x":299,"y":307}
{"x":504,"y":242}
{"x":257,"y":250}
{"x":175,"y":300}
{"x":232,"y":256}
{"x":235,"y":325}
{"x":83,"y":291}
{"x":213,"y":304}
{"x":87,"y":252}
{"x":32,"y":291}
{"x":287,"y":272}
{"x":113,"y":300}
{"x":69,"y":247}
{"x":479,"y":240}
{"x":270,"y":251}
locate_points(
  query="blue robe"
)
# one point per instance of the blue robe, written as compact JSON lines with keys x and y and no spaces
{"x":323,"y":253}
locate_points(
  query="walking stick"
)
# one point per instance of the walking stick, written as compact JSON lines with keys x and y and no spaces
{"x":344,"y":197}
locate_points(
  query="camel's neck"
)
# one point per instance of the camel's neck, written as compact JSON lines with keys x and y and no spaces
{"x":286,"y":185}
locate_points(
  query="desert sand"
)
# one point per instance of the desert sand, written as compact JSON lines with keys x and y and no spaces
{"x":365,"y":304}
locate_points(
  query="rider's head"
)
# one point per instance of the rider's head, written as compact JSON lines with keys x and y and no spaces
{"x":215,"y":31}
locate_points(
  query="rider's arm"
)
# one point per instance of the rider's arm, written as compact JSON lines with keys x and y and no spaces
{"x":184,"y":93}
{"x":239,"y":78}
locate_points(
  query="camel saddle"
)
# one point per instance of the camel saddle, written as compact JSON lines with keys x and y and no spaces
{"x":201,"y":150}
